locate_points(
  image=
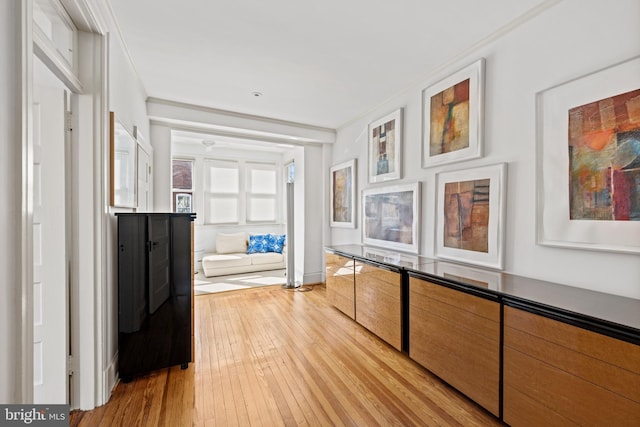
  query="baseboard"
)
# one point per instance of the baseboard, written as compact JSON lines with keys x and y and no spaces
{"x":312,"y":278}
{"x":110,"y":378}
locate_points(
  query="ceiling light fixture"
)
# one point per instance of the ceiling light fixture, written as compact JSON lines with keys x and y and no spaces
{"x":256,"y":94}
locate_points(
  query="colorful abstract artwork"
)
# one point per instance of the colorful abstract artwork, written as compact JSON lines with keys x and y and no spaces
{"x":384,"y":143}
{"x":604,"y":159}
{"x":384,"y":147}
{"x":470,"y":215}
{"x":390,"y":217}
{"x":343,"y":195}
{"x":588,"y":161}
{"x":466,"y":215}
{"x":450,"y":119}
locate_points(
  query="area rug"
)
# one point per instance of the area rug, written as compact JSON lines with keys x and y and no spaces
{"x":209,"y":285}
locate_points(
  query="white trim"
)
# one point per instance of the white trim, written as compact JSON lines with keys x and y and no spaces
{"x":110,"y":376}
{"x":47,"y":52}
{"x":101,"y":194}
{"x":86,"y":16}
{"x":312,"y":278}
{"x":26,"y":317}
{"x":176,"y":115}
{"x":54,"y":61}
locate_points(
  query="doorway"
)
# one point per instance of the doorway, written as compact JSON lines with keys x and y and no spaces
{"x":51,"y":103}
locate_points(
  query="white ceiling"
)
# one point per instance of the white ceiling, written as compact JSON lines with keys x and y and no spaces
{"x":322,"y":63}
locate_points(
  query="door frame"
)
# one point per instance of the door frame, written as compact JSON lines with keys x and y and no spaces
{"x":90,"y":387}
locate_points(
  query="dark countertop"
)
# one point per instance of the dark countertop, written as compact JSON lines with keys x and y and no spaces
{"x":620,"y":314}
{"x":382,"y":256}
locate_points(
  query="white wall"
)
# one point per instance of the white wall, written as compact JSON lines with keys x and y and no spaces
{"x":10,"y":186}
{"x":314,"y":189}
{"x":571,"y":39}
{"x":127,"y":98}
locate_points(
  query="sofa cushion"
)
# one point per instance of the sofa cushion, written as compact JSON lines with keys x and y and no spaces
{"x":266,"y":258}
{"x":231,"y":243}
{"x":226,"y":260}
{"x":276,"y":243}
{"x":258,"y":243}
{"x":262,"y":243}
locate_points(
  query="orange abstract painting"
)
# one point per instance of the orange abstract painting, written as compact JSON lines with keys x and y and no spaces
{"x":466,"y":215}
{"x":604,"y":159}
{"x":450,"y":119}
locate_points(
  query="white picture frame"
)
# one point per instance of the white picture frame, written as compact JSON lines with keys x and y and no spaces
{"x":456,"y":100}
{"x":554,"y":226}
{"x":464,"y":198}
{"x":123,"y":162}
{"x":343,"y":200}
{"x":391,"y":217}
{"x":385,"y":147}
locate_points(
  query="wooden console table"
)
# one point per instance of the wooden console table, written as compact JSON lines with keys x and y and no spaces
{"x":529,"y":351}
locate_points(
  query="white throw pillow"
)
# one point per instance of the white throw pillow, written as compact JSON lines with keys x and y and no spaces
{"x":231,"y":243}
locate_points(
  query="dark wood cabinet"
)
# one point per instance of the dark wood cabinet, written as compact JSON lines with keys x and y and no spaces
{"x":155,"y":292}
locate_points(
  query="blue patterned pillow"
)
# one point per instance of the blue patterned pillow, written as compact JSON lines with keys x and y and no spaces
{"x":276,"y":243}
{"x":258,"y":243}
{"x":263,"y":243}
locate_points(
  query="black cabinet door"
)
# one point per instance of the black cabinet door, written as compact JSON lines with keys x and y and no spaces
{"x":132,"y":273}
{"x":159,"y":246}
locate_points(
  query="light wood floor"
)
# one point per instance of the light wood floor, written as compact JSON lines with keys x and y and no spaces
{"x":275,"y":357}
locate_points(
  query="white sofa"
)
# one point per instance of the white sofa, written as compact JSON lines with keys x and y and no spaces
{"x":231,"y":257}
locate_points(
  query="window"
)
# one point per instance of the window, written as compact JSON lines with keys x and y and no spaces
{"x":182,"y":185}
{"x":262,"y":192}
{"x":55,"y":29}
{"x":239,"y":192}
{"x":222,"y":192}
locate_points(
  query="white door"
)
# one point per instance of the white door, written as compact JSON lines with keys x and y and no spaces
{"x":50,"y":290}
{"x":144,"y":176}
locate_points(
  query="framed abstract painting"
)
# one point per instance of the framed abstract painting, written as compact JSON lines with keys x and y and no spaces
{"x":470,"y":215}
{"x":343,"y":194}
{"x":390,"y":217}
{"x":452,"y":117}
{"x":385,"y":146}
{"x":588,"y":161}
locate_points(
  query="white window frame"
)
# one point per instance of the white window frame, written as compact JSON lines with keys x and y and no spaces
{"x":209,"y":194}
{"x":251,"y":195}
{"x":244,"y":194}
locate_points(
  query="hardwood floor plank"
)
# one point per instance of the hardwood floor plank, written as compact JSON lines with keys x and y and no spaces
{"x":275,"y":357}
